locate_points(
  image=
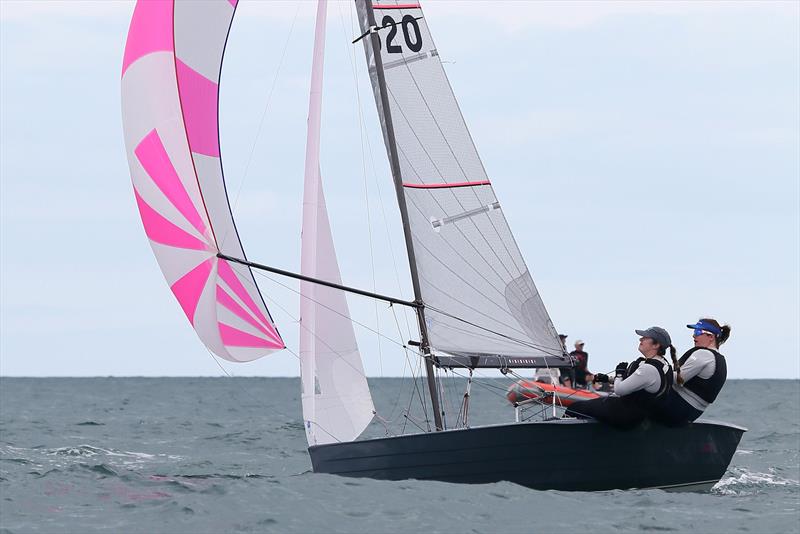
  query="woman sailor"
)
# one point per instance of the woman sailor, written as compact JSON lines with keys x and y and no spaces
{"x":702,"y":373}
{"x":639,"y":388}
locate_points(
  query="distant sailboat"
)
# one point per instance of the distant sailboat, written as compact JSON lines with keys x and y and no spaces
{"x":474,"y":298}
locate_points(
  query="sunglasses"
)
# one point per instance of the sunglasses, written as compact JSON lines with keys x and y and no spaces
{"x":698,"y":332}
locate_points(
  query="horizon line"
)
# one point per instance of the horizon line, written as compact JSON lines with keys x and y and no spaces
{"x":288,"y":376}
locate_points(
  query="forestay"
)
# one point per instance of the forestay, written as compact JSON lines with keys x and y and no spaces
{"x":337,"y":405}
{"x":478,"y":293}
{"x":170,"y":78}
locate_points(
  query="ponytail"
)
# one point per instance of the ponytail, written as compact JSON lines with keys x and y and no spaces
{"x":724,"y":335}
{"x":676,"y":365}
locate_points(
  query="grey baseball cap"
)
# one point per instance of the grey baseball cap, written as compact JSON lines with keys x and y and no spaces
{"x":657,"y":334}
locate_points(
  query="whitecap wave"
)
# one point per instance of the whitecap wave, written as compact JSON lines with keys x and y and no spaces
{"x":742,"y":481}
{"x":62,"y":457}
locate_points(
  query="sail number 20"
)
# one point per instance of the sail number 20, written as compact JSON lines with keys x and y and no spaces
{"x":411,"y":33}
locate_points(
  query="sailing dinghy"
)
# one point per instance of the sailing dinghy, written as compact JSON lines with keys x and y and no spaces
{"x":476,"y":304}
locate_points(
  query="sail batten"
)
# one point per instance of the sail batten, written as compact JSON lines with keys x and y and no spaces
{"x":478,"y":293}
{"x":170,"y":95}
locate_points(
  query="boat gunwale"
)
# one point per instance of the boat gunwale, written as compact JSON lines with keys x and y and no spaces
{"x":557,"y":422}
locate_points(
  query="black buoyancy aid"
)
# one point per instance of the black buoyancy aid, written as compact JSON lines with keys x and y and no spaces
{"x":707,"y":388}
{"x":664,"y":373}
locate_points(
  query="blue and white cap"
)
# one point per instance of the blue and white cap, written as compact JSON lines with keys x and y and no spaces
{"x":705,"y":327}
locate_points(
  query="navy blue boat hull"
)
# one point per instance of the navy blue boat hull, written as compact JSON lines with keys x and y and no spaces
{"x":567,"y":454}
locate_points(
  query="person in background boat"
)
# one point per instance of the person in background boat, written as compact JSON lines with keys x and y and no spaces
{"x":583,"y":376}
{"x":579,"y":375}
{"x":639,"y":388}
{"x":699,"y":375}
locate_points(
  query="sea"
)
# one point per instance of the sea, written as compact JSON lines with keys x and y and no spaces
{"x":228,"y":454}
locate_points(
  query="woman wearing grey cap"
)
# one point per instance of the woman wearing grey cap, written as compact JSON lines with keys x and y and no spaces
{"x":639,"y":388}
{"x":702,"y":373}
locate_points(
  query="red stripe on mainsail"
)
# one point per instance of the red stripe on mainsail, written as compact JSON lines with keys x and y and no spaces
{"x":395,"y":6}
{"x":446,"y":186}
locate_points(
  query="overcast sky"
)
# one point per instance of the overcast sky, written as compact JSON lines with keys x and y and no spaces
{"x":647,"y":156}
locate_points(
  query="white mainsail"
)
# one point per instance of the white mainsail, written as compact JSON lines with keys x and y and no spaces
{"x":478,"y":293}
{"x":337,"y":405}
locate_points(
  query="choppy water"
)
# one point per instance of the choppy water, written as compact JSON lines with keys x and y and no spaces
{"x":229,"y":455}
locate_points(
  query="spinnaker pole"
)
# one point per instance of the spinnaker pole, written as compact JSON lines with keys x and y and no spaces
{"x":394,"y":161}
{"x":304,"y":278}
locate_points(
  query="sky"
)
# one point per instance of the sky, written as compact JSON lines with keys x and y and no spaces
{"x":646,"y":155}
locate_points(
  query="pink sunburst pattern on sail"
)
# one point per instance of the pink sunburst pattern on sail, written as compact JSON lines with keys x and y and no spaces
{"x":189,"y":288}
{"x":170,"y":86}
{"x":236,"y":338}
{"x":155,"y":160}
{"x":228,"y":302}
{"x":230,"y":277}
{"x":161,"y":230}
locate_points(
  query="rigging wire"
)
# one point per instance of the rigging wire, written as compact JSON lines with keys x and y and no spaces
{"x":273,"y":280}
{"x":414,"y":376}
{"x":481,"y":380}
{"x":494,"y":389}
{"x":316,"y":337}
{"x":263,"y":116}
{"x":378,"y":189}
{"x":404,"y":346}
{"x":366,"y":184}
{"x":360,"y":371}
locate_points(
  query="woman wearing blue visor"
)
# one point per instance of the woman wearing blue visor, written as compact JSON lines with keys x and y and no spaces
{"x":702,"y":374}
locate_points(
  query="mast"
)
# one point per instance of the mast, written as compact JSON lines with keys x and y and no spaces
{"x":394,"y":162}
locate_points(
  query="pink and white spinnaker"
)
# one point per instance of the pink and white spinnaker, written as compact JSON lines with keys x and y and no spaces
{"x":170,"y":80}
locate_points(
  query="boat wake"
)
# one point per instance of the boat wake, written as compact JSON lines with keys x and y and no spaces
{"x":742,"y":481}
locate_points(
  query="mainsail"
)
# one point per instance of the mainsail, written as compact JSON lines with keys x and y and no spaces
{"x":170,"y":78}
{"x":478,"y":294}
{"x":337,"y":405}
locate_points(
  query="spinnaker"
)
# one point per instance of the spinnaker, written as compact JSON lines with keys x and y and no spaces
{"x":170,"y":80}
